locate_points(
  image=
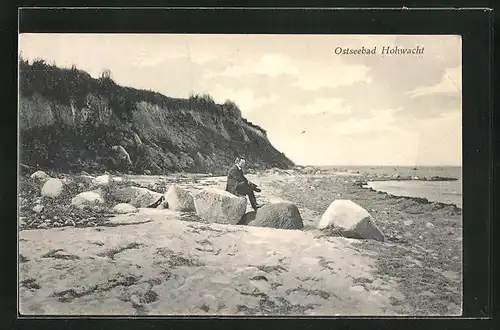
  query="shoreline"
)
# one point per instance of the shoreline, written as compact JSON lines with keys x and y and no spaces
{"x":422,"y":200}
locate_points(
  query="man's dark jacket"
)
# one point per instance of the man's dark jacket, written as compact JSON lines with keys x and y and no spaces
{"x":234,"y":178}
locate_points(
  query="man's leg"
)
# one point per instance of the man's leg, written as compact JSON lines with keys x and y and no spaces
{"x":248,"y":190}
{"x":252,"y":199}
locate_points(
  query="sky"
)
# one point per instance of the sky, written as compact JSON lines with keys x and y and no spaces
{"x":318,"y":107}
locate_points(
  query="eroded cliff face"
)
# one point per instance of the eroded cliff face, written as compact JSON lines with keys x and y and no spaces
{"x":71,"y":121}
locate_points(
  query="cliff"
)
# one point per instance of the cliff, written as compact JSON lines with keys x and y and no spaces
{"x":69,"y":121}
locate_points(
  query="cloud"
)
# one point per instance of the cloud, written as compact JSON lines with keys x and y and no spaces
{"x":380,"y":121}
{"x":322,"y":106}
{"x":244,"y":98}
{"x":451,"y":83}
{"x":272,"y":65}
{"x":316,"y":76}
{"x":147,"y":58}
{"x":203,"y":58}
{"x":308,"y":75}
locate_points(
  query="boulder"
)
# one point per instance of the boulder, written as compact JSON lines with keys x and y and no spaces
{"x":215,"y":205}
{"x":52,"y":188}
{"x":102,"y":180}
{"x":87,"y":198}
{"x":247,"y":218}
{"x":38,"y":208}
{"x":147,"y":172}
{"x":40,"y":175}
{"x":137,"y":140}
{"x":87,"y":179}
{"x":136,"y":196}
{"x":353,"y":220}
{"x":122,"y":154}
{"x":283,"y":215}
{"x":124,"y":208}
{"x":179,"y":199}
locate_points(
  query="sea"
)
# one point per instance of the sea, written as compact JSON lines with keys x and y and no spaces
{"x":449,"y":192}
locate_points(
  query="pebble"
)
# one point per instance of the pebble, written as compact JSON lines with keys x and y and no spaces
{"x":427,"y":294}
{"x":134,"y":299}
{"x":358,"y":288}
{"x":38,"y":208}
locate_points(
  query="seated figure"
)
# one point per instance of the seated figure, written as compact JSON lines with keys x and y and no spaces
{"x":237,"y":184}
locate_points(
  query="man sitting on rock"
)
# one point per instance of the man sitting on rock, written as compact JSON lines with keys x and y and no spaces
{"x":238,"y":185}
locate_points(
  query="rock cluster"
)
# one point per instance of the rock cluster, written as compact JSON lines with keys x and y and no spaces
{"x":210,"y":205}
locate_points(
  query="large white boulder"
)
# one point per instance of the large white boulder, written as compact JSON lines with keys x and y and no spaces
{"x":87,"y":198}
{"x":137,"y":196}
{"x":283,"y":215}
{"x":220,"y":206}
{"x":52,"y":188}
{"x":352,"y":219}
{"x":179,"y":199}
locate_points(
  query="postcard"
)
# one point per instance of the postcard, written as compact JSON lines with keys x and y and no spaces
{"x":240,"y":174}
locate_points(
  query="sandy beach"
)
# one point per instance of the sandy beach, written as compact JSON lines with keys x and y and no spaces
{"x":162,"y":262}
